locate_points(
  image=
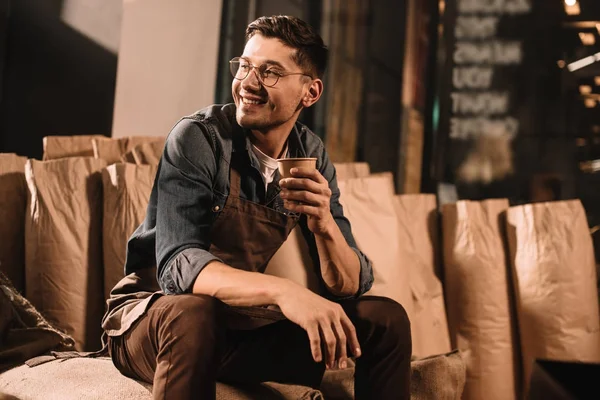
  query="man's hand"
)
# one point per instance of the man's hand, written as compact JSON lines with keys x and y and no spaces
{"x":329,"y":328}
{"x":308,"y":192}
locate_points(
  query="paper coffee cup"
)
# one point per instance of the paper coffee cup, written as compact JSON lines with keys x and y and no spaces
{"x":285,"y":164}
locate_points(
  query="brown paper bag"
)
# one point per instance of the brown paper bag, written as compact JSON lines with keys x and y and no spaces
{"x":555,"y":282}
{"x":12,"y":218}
{"x":69,"y":146}
{"x":113,"y":150}
{"x":417,"y":216}
{"x":145,"y":154}
{"x":292,"y":261}
{"x":63,"y":245}
{"x":351,"y":170}
{"x":477,"y":296}
{"x":127,"y":190}
{"x":369,"y":206}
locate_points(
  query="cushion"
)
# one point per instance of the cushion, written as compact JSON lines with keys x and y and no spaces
{"x":554,"y":278}
{"x":69,"y":146}
{"x":369,"y":206}
{"x":63,"y":245}
{"x":96,"y":379}
{"x":418,"y":219}
{"x":479,"y":314}
{"x":127,"y":190}
{"x":112,"y":150}
{"x":12,"y":214}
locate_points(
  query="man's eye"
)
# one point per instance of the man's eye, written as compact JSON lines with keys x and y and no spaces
{"x":270,"y":73}
{"x":244,"y":67}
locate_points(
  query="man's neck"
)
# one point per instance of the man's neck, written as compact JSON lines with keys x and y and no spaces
{"x":272,"y":142}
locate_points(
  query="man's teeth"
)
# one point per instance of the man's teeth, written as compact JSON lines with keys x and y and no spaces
{"x":246,"y":101}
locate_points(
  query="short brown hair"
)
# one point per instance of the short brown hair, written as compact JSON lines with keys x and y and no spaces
{"x":311,"y":52}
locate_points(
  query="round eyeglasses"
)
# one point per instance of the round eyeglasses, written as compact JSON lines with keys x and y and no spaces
{"x":267,"y":75}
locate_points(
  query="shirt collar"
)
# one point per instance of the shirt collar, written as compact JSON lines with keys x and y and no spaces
{"x":242,"y":143}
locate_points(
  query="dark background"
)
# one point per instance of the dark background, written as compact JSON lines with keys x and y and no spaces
{"x":55,"y":80}
{"x":557,"y":131}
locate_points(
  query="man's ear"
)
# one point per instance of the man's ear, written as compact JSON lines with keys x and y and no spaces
{"x":315,"y":90}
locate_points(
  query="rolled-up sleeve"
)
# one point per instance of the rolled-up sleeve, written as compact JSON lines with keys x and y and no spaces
{"x":183,"y":214}
{"x":327,"y":169}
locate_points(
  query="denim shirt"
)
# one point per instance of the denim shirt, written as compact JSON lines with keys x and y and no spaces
{"x":192,"y":185}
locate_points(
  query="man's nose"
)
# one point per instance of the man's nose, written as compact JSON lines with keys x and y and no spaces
{"x":251,"y":80}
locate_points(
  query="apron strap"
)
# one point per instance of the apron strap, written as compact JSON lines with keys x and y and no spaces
{"x":235,"y":182}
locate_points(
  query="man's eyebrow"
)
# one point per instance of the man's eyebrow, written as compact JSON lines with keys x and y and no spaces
{"x":275,"y":63}
{"x":267,"y":62}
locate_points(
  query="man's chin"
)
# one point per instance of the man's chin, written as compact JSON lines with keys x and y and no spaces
{"x":248,"y":122}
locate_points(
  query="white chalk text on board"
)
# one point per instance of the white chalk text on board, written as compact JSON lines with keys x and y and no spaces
{"x":477,"y":107}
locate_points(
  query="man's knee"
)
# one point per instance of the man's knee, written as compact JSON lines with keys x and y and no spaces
{"x":198,"y":307}
{"x":196,"y":318}
{"x":387,"y":316}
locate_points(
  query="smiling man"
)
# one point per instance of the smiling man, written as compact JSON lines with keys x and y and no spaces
{"x":195,"y":306}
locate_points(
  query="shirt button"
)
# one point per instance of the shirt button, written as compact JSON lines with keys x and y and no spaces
{"x":216,"y":208}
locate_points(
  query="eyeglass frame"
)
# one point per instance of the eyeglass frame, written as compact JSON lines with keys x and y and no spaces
{"x":259,"y":74}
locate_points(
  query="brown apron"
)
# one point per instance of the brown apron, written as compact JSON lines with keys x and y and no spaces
{"x":245,"y":235}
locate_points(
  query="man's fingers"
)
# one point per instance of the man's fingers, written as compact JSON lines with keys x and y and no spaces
{"x":330,"y":344}
{"x":299,"y":183}
{"x":304,"y":184}
{"x":341,"y":344}
{"x":303,"y":196}
{"x":315,"y":342}
{"x":352,"y":339}
{"x":311,"y":173}
{"x":303,"y":209}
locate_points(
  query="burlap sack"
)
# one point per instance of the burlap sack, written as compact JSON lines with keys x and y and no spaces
{"x":351,"y":170}
{"x":477,"y":294}
{"x":127,"y":190}
{"x":417,"y":216}
{"x":113,"y":150}
{"x":369,"y":206}
{"x":555,"y":282}
{"x":145,"y":153}
{"x":12,"y":218}
{"x":63,"y":245}
{"x":24,"y":333}
{"x":69,"y":146}
{"x":98,"y":379}
{"x":441,"y":378}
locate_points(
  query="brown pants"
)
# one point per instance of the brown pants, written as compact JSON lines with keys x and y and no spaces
{"x":182,"y":346}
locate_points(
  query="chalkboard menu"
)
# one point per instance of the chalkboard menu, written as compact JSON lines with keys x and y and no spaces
{"x":478,"y":91}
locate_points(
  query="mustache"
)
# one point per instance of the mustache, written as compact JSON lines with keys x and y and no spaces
{"x":262,"y":94}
